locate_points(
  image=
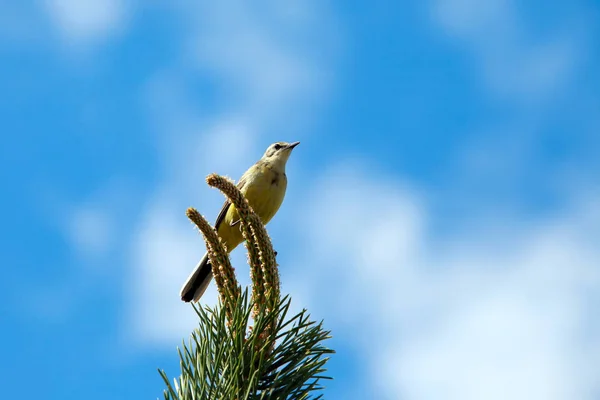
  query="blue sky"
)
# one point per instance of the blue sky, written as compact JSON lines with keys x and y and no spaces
{"x":442,"y":213}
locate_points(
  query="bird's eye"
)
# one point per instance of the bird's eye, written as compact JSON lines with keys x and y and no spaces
{"x":277,"y":146}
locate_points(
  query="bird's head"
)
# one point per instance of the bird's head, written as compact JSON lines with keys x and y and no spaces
{"x":278,"y":153}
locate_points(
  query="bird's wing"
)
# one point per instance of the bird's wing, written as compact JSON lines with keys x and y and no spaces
{"x":227,"y":203}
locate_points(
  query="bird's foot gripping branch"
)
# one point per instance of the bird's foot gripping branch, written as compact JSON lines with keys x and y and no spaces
{"x":247,"y":347}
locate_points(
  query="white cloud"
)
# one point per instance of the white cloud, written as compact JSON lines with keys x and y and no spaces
{"x":515,"y":64}
{"x":268,"y":64}
{"x":468,"y":316}
{"x":94,"y":227}
{"x":527,"y":67}
{"x":81,"y":21}
{"x":166,"y":249}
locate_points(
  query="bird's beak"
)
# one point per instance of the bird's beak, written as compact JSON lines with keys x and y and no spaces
{"x":292,"y":145}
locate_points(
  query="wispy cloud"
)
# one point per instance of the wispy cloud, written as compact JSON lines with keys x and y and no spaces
{"x":469,"y":315}
{"x":514,"y":63}
{"x":527,"y":72}
{"x":85,"y":21}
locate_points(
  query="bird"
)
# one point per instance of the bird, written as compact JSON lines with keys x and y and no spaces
{"x":264,"y":185}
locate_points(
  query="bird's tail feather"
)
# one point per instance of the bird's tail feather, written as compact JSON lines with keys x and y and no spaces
{"x":197,"y":282}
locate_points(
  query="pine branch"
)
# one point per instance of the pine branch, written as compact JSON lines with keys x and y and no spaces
{"x":246,"y":347}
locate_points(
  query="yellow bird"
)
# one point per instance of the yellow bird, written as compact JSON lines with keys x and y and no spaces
{"x":264,"y":186}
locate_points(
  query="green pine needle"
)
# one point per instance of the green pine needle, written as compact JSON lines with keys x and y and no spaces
{"x":229,"y":361}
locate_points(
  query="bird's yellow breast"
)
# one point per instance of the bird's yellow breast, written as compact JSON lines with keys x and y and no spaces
{"x":265,"y":190}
